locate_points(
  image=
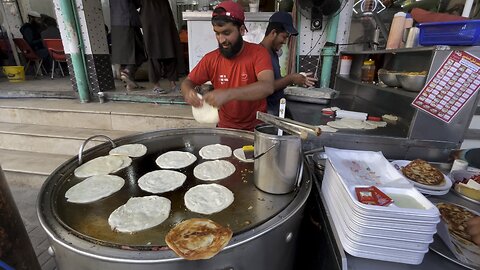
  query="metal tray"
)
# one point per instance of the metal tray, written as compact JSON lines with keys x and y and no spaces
{"x":441,"y":249}
{"x":463,"y":196}
{"x":438,"y":246}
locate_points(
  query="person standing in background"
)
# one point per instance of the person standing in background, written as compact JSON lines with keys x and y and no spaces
{"x":279,"y":29}
{"x":128,"y":48}
{"x":165,"y":56}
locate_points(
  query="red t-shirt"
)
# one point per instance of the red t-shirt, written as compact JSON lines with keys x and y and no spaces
{"x":232,"y":73}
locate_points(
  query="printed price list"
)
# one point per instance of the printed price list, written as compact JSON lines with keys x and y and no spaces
{"x":452,"y":86}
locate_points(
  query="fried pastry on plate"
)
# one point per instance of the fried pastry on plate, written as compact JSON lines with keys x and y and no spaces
{"x":422,"y":172}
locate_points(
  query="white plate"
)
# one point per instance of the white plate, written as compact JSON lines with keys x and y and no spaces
{"x":432,"y":192}
{"x":398,"y":164}
{"x":429,"y":213}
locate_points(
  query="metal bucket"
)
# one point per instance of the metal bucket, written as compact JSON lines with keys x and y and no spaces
{"x":278,"y":170}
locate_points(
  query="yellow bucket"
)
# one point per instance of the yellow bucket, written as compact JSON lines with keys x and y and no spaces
{"x":14,"y":73}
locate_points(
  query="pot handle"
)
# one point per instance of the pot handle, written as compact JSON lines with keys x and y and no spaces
{"x":300,"y":174}
{"x":270,"y":148}
{"x":80,"y":151}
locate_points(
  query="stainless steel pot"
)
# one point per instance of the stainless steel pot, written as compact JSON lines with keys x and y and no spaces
{"x":278,"y":170}
{"x":265,"y":226}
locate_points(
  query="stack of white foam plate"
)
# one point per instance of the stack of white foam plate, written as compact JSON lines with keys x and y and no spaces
{"x":438,"y":190}
{"x":400,"y":232}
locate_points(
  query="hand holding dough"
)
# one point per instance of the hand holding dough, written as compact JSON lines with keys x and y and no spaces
{"x":206,"y":113}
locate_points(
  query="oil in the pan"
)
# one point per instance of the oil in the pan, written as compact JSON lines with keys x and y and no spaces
{"x":245,"y":213}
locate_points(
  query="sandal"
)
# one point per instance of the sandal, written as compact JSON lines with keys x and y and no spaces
{"x":128,"y":80}
{"x":130,"y":88}
{"x":159,"y":90}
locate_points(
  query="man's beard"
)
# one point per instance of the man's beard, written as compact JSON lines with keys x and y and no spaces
{"x":233,"y":50}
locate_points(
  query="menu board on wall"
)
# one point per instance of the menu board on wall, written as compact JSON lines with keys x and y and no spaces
{"x":452,"y":86}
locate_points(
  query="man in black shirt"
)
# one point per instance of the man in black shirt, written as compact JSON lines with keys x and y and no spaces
{"x":31,"y":34}
{"x":279,"y":29}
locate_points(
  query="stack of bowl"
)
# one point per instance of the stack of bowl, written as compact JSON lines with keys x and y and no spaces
{"x":412,"y":81}
{"x":389,"y":78}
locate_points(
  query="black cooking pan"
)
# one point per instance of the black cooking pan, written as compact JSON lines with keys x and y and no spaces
{"x":250,"y":208}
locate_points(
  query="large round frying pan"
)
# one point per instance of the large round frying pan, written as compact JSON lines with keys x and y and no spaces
{"x":250,"y":208}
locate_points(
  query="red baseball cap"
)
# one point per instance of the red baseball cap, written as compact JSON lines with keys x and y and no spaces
{"x":232,"y":10}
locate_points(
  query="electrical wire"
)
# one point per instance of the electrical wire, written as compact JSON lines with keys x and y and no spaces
{"x":324,"y":28}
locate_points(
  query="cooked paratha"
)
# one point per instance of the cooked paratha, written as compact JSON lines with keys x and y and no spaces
{"x":175,"y":160}
{"x":198,"y":238}
{"x":421,"y":172}
{"x":456,"y":218}
{"x":94,"y":188}
{"x":215,"y":151}
{"x":131,"y":150}
{"x":102,"y":165}
{"x":161,"y":181}
{"x":140,"y":213}
{"x":208,"y":199}
{"x":214,"y":170}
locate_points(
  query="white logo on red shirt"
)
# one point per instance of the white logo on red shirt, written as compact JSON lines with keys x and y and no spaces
{"x":223,"y":79}
{"x":244,"y":77}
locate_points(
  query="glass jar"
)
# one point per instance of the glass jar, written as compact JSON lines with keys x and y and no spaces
{"x":368,"y":71}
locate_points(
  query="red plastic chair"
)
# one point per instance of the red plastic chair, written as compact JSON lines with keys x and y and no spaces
{"x":56,"y":51}
{"x":29,"y":55}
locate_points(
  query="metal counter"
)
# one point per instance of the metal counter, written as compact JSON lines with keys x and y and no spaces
{"x":391,"y":140}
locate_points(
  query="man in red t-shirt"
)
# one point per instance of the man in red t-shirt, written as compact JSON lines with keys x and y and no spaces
{"x":241,"y":72}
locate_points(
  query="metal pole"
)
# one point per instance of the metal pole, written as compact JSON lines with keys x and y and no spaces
{"x":73,"y":40}
{"x":329,"y":51}
{"x":82,"y":42}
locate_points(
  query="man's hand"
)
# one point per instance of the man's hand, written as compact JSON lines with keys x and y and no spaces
{"x":303,"y":79}
{"x":217,"y":98}
{"x":473,"y":228}
{"x":189,"y":94}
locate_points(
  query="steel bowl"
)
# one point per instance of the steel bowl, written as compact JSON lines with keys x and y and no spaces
{"x":389,"y":78}
{"x":411,"y":82}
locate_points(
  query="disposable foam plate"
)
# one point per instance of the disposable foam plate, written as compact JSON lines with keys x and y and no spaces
{"x":381,"y":241}
{"x":378,"y":212}
{"x":412,"y":258}
{"x":371,"y":221}
{"x":398,"y":164}
{"x":399,"y":219}
{"x":430,"y":210}
{"x":338,"y":222}
{"x":432,"y":192}
{"x":386,"y":232}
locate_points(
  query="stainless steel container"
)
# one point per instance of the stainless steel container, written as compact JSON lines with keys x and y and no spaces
{"x":265,"y":226}
{"x":277,"y":171}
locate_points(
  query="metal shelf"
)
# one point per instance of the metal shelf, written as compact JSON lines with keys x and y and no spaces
{"x":394,"y":90}
{"x":411,"y":50}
